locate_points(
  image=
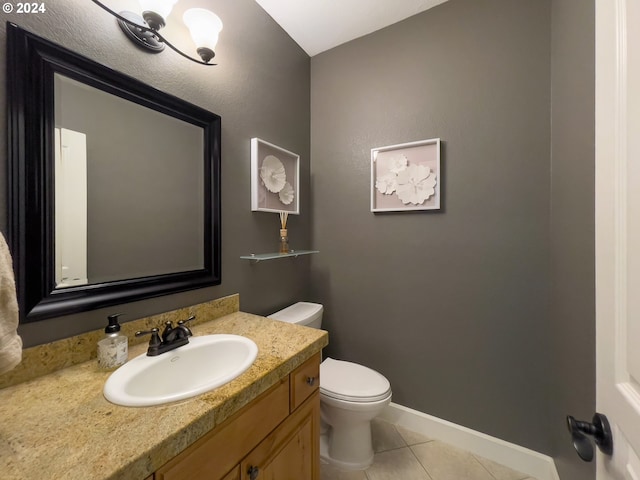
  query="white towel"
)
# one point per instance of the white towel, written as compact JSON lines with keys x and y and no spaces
{"x":10,"y":341}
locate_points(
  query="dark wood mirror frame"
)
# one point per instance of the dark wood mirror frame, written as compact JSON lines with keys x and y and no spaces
{"x":31,"y":65}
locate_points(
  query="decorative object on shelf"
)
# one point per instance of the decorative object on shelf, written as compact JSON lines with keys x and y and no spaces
{"x":143,"y":30}
{"x":406,"y":177}
{"x":275,"y":178}
{"x":284,"y":238}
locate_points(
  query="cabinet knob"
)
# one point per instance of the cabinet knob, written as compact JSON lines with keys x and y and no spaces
{"x":311,"y":381}
{"x":253,"y":472}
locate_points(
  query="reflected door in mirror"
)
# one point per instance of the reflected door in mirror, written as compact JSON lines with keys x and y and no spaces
{"x":70,"y":207}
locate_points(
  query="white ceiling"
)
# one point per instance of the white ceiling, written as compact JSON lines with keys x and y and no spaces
{"x":319,"y":25}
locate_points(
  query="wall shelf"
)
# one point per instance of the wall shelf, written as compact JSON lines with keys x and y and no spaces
{"x":257,"y":257}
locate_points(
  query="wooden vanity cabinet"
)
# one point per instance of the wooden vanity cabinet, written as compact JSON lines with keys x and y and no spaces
{"x":275,"y":437}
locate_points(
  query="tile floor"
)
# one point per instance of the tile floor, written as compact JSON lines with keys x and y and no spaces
{"x":404,"y":455}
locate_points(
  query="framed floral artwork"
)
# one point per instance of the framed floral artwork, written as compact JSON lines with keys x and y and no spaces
{"x":406,"y":177}
{"x":275,"y":178}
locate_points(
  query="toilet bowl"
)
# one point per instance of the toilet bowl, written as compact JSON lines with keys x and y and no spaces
{"x":351,"y":395}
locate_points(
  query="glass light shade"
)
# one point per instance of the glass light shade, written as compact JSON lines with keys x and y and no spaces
{"x":161,"y":7}
{"x":204,"y":26}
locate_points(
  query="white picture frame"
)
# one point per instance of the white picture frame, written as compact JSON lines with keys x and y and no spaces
{"x":406,"y":177}
{"x":275,"y":178}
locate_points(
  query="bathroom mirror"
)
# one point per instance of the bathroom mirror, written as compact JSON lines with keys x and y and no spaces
{"x":114,"y":187}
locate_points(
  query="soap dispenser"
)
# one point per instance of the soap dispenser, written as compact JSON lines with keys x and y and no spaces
{"x":113,"y":350}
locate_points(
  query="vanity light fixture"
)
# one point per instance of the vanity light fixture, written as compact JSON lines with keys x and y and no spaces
{"x":204,"y":25}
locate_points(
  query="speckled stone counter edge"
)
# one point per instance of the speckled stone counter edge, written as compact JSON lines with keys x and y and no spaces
{"x":50,"y":357}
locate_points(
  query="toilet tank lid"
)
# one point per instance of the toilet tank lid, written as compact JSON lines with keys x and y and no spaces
{"x":302,"y":313}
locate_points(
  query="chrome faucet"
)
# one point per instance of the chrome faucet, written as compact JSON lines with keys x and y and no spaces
{"x":171,"y":338}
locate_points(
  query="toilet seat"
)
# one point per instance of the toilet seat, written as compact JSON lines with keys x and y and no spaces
{"x":352,"y":382}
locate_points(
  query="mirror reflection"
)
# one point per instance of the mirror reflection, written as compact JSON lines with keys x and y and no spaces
{"x":129,"y":189}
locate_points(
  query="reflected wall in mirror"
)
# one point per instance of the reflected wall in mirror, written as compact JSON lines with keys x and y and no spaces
{"x":113,"y":178}
{"x":114,"y":186}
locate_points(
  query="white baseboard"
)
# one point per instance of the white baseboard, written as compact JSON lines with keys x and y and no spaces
{"x":518,"y":458}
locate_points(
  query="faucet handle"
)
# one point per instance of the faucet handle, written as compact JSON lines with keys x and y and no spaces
{"x":191,"y":318}
{"x":155,"y":337}
{"x":181,"y":325}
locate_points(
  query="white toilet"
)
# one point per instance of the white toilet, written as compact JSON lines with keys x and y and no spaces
{"x":351,"y":395}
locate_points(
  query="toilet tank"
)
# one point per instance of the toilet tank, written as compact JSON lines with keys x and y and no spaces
{"x":303,"y":313}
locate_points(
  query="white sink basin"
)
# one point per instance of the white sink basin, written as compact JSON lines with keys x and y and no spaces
{"x":205,"y":363}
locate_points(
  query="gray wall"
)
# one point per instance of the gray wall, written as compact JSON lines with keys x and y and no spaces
{"x":260,"y":89}
{"x":572,"y":226}
{"x":482,"y":314}
{"x":452,"y":307}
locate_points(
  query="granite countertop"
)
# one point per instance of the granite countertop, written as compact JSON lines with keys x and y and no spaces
{"x":60,"y":425}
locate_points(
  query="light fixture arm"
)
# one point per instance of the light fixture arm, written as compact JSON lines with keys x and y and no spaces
{"x":175,"y":49}
{"x":151,"y":30}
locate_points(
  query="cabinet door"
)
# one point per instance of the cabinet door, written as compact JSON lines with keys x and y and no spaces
{"x":291,"y":452}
